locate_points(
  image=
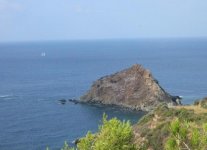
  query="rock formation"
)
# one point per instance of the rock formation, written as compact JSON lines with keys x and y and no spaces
{"x":133,"y":88}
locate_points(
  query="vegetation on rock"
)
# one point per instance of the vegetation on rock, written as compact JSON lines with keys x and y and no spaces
{"x":169,"y":128}
{"x":112,"y":135}
{"x":164,"y":128}
{"x":186,"y":135}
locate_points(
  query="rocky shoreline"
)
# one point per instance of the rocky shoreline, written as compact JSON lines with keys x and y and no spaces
{"x":95,"y":104}
{"x":131,"y":89}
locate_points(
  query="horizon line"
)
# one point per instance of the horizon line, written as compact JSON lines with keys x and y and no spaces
{"x":100,"y":39}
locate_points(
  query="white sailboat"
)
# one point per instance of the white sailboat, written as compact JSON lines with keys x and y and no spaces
{"x":43,"y":54}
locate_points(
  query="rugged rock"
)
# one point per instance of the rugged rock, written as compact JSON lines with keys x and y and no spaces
{"x":62,"y":101}
{"x":133,"y":88}
{"x":73,"y":101}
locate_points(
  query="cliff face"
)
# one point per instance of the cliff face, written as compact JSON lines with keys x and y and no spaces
{"x":133,"y":88}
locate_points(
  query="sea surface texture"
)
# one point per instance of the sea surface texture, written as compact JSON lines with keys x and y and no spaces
{"x":34,"y":76}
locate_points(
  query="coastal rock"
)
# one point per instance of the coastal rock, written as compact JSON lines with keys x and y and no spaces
{"x":62,"y":101}
{"x":176,"y":100}
{"x":133,"y":88}
{"x":73,"y":101}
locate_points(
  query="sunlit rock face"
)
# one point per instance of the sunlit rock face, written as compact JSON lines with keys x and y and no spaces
{"x":133,"y":88}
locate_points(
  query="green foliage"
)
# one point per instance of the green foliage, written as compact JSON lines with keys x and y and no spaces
{"x":164,"y":128}
{"x":185,"y":135}
{"x":205,"y":127}
{"x":146,"y":118}
{"x":195,"y":139}
{"x":87,"y":142}
{"x":112,"y":135}
{"x":175,"y":126}
{"x":171,"y":144}
{"x":160,"y":129}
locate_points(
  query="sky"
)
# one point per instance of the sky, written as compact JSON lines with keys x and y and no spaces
{"x":40,"y":20}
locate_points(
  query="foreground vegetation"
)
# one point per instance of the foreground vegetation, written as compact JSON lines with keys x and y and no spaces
{"x":171,"y":129}
{"x":178,"y":128}
{"x":113,"y":134}
{"x":186,"y":135}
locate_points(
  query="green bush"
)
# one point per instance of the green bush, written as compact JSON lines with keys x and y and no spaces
{"x":186,"y":135}
{"x":86,"y":143}
{"x":112,"y":135}
{"x":158,"y":130}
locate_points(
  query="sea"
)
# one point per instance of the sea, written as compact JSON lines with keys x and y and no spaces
{"x":34,"y":76}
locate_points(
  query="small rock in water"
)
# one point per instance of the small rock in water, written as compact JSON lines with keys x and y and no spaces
{"x":62,"y":101}
{"x":73,"y":101}
{"x":70,"y":100}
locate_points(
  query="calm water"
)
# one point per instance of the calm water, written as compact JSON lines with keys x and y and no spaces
{"x":31,"y":85}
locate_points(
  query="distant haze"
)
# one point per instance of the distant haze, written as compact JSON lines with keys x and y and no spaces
{"x":37,"y":20}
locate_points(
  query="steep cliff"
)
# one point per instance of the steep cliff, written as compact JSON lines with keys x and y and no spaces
{"x":133,"y":88}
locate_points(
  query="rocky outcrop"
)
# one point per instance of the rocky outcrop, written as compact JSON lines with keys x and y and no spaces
{"x":133,"y":88}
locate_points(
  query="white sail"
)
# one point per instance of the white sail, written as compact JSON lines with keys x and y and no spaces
{"x":43,"y":54}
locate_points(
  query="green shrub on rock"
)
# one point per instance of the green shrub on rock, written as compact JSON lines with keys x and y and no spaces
{"x":112,"y":135}
{"x":86,"y":143}
{"x":186,"y":135}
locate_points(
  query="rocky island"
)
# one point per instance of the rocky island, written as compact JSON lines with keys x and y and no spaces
{"x":133,"y":88}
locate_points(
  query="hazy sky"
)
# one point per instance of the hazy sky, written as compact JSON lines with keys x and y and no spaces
{"x":32,"y":20}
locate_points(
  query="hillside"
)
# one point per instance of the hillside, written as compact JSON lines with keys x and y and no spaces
{"x":153,"y":130}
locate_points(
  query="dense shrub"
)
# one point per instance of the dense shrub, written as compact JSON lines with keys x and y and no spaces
{"x":186,"y":135}
{"x":163,"y":129}
{"x":112,"y":135}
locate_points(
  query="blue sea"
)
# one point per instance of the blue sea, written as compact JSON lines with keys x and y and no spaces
{"x":35,"y":75}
